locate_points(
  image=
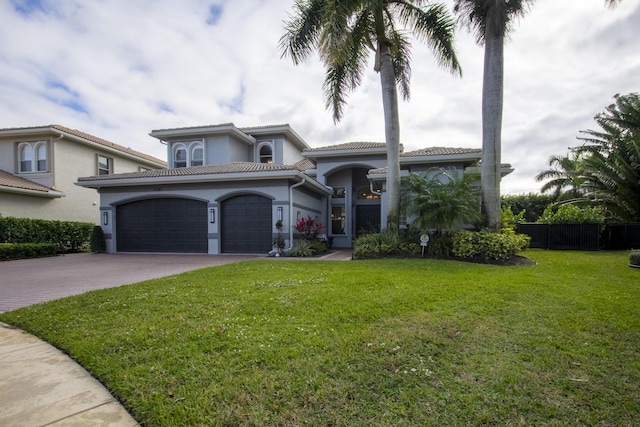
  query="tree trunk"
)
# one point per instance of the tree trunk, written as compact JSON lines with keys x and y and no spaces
{"x":392,"y":136}
{"x":492,"y":100}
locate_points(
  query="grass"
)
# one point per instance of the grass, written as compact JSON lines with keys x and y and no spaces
{"x":393,"y":342}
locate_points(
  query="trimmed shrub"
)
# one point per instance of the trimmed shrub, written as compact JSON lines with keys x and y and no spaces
{"x":488,"y":245}
{"x":26,"y":250}
{"x":378,"y":245}
{"x":69,"y":236}
{"x":531,"y":205}
{"x":572,"y":214}
{"x":634,"y":257}
{"x":98,"y":244}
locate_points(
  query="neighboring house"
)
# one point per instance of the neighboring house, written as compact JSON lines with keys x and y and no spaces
{"x":40,"y":165}
{"x":226,"y":187}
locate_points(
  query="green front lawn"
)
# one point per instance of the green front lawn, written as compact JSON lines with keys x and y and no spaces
{"x":380,"y":343}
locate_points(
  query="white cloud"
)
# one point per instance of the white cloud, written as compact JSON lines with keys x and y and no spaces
{"x":118,"y":69}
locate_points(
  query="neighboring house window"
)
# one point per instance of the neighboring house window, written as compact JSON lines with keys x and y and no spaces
{"x":26,"y":158}
{"x":188,"y":154}
{"x":197,"y":155}
{"x":105,"y":165}
{"x":32,"y":156}
{"x":266,"y":154}
{"x":41,"y":157}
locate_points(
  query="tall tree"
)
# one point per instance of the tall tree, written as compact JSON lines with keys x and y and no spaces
{"x":345,"y":32}
{"x":491,"y":21}
{"x":612,"y":159}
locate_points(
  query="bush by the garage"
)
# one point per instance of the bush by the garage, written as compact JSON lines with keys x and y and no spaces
{"x":68,"y":236}
{"x":26,"y":250}
{"x":98,"y":244}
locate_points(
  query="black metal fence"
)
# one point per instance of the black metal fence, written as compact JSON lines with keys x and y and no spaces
{"x":584,"y":237}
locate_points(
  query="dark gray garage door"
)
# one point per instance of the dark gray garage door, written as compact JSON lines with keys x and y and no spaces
{"x":169,"y":225}
{"x":246,"y":224}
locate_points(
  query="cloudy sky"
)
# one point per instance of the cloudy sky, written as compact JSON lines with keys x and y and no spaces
{"x":120,"y":68}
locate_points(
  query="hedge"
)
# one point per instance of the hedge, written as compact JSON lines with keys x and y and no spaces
{"x":488,"y":245}
{"x":27,"y":250}
{"x":67,"y":236}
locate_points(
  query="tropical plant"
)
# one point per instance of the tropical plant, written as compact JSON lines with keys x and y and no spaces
{"x":345,"y":32}
{"x":441,"y":199}
{"x":309,"y":227}
{"x":531,"y":205}
{"x":565,"y":178}
{"x":612,"y":159}
{"x":491,"y":21}
{"x":572,"y":214}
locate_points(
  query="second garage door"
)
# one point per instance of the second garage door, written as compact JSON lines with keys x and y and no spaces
{"x":170,"y":225}
{"x":246,"y":224}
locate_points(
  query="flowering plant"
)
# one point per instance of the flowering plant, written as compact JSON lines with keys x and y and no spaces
{"x":309,"y":227}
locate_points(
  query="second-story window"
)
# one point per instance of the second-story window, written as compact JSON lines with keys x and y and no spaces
{"x":266,"y":154}
{"x":180,"y":157}
{"x":26,"y":158}
{"x":197,"y":155}
{"x":105,"y":165}
{"x":188,"y":154}
{"x":32,"y":157}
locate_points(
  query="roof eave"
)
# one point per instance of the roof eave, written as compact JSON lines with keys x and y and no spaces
{"x":286,"y":130}
{"x":344,"y":153}
{"x":51,"y":194}
{"x":178,"y":133}
{"x":188,"y":179}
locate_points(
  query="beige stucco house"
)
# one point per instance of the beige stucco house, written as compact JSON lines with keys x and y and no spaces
{"x":40,"y":165}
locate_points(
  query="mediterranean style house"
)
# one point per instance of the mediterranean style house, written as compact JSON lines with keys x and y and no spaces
{"x":226,"y":187}
{"x":40,"y":165}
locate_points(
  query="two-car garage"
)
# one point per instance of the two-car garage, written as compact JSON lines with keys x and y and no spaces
{"x":181,"y":225}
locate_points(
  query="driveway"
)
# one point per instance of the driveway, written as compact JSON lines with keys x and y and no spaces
{"x":30,"y":281}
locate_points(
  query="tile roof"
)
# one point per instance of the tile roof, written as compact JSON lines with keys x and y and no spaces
{"x":91,"y":138}
{"x":238,"y":167}
{"x":10,"y":180}
{"x":359,"y":145}
{"x":441,"y":151}
{"x":304,"y":164}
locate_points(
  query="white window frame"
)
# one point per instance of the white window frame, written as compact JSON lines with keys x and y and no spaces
{"x":29,"y":159}
{"x":265,"y":158}
{"x":109,"y":168}
{"x":189,"y":148}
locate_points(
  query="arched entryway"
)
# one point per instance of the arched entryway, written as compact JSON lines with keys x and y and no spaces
{"x":246,"y":224}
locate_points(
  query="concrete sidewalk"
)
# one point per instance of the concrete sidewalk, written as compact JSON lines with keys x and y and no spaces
{"x":40,"y":386}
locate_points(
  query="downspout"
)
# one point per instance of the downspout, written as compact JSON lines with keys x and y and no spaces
{"x":291,"y":210}
{"x":52,"y":161}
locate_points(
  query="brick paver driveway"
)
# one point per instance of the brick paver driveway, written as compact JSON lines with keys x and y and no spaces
{"x":30,"y":281}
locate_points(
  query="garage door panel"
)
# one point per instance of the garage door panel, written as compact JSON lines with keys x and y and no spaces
{"x":246,"y":224}
{"x":162,"y":225}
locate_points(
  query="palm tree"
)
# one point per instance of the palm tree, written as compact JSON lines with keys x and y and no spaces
{"x":444,"y":200}
{"x":612,"y":159}
{"x":565,"y":177}
{"x":345,"y":32}
{"x":612,"y":3}
{"x":491,"y":21}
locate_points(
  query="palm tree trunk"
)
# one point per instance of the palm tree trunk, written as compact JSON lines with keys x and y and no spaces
{"x":492,"y":100}
{"x":392,"y":136}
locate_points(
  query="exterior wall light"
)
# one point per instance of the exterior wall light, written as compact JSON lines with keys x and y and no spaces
{"x":105,"y":218}
{"x":279,"y":213}
{"x":212,"y":215}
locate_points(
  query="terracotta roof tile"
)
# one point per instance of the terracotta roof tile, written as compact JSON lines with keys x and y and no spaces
{"x":10,"y":180}
{"x":89,"y":137}
{"x":360,"y":145}
{"x":238,"y":167}
{"x":441,"y":151}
